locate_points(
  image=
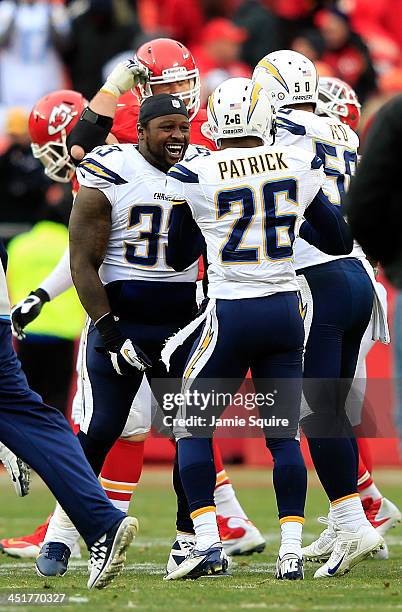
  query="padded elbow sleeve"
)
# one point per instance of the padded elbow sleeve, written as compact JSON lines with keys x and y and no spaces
{"x":88,"y":134}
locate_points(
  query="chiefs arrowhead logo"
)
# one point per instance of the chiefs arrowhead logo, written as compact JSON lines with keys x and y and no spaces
{"x":60,"y":117}
{"x":206,"y":130}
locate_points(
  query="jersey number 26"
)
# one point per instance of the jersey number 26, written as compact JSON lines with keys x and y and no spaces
{"x":278,"y":228}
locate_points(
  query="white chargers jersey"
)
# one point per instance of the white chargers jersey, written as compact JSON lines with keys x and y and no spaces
{"x":336,"y":144}
{"x":248,"y":203}
{"x":140,"y":213}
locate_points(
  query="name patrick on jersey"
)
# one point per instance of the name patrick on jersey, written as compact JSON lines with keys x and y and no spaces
{"x":255,"y":164}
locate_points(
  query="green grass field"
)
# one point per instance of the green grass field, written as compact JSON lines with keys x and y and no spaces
{"x":373,"y":585}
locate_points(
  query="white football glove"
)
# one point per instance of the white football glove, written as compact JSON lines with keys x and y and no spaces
{"x":128,"y":358}
{"x":125,"y":76}
{"x":19,"y":472}
{"x":26,"y":311}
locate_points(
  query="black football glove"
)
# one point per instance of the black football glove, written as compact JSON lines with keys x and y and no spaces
{"x":125,"y":356}
{"x":26,"y":311}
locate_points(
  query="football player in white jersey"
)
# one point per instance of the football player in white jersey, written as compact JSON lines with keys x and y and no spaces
{"x":172,"y":70}
{"x":248,"y":199}
{"x":338,"y":294}
{"x":338,"y":100}
{"x":118,"y":238}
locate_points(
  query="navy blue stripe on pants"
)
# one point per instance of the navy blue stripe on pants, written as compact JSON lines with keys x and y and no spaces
{"x":41,"y":437}
{"x":342,"y":295}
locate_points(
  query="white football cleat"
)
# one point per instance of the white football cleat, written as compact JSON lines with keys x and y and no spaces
{"x":350,"y":548}
{"x":210,"y":562}
{"x":19,"y":472}
{"x":381,"y":513}
{"x":181,"y":548}
{"x":320,"y":550}
{"x":382,"y":554}
{"x":239,"y":536}
{"x":289,"y":567}
{"x":108,"y":553}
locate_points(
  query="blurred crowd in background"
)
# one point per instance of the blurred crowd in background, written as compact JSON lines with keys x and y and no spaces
{"x":51,"y":44}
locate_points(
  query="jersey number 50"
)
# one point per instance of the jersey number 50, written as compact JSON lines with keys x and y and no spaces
{"x":278,"y":228}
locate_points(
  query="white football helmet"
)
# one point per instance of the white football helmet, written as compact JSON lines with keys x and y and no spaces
{"x":289,"y":77}
{"x":238,"y":107}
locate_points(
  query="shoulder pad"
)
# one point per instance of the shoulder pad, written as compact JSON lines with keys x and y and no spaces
{"x":183,"y":173}
{"x":306,"y":158}
{"x":194,"y":151}
{"x":291,"y":121}
{"x":102,"y":167}
{"x":333,"y":131}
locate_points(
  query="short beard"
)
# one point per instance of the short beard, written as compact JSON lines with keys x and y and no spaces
{"x":157,"y":160}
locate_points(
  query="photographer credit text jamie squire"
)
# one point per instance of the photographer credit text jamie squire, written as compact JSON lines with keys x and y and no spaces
{"x":219,"y":401}
{"x":198,"y":421}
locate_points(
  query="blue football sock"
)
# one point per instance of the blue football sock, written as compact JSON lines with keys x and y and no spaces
{"x":197,"y":471}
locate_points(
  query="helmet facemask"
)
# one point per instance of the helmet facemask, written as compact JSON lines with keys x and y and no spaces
{"x":55,"y":159}
{"x":337,"y":100}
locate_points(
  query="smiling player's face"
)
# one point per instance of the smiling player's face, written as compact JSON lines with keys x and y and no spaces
{"x":164,"y":140}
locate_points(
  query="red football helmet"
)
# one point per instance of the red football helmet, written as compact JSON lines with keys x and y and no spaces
{"x":168,"y":61}
{"x":337,"y":99}
{"x":50,"y":121}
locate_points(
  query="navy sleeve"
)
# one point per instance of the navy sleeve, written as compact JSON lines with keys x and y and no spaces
{"x":185,"y":240}
{"x":325,"y":228}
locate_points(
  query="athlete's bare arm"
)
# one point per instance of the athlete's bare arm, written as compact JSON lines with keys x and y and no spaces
{"x":89,"y":231}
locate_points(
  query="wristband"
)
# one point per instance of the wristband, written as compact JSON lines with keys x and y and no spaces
{"x":109,"y":332}
{"x":111,"y":89}
{"x":41,"y":294}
